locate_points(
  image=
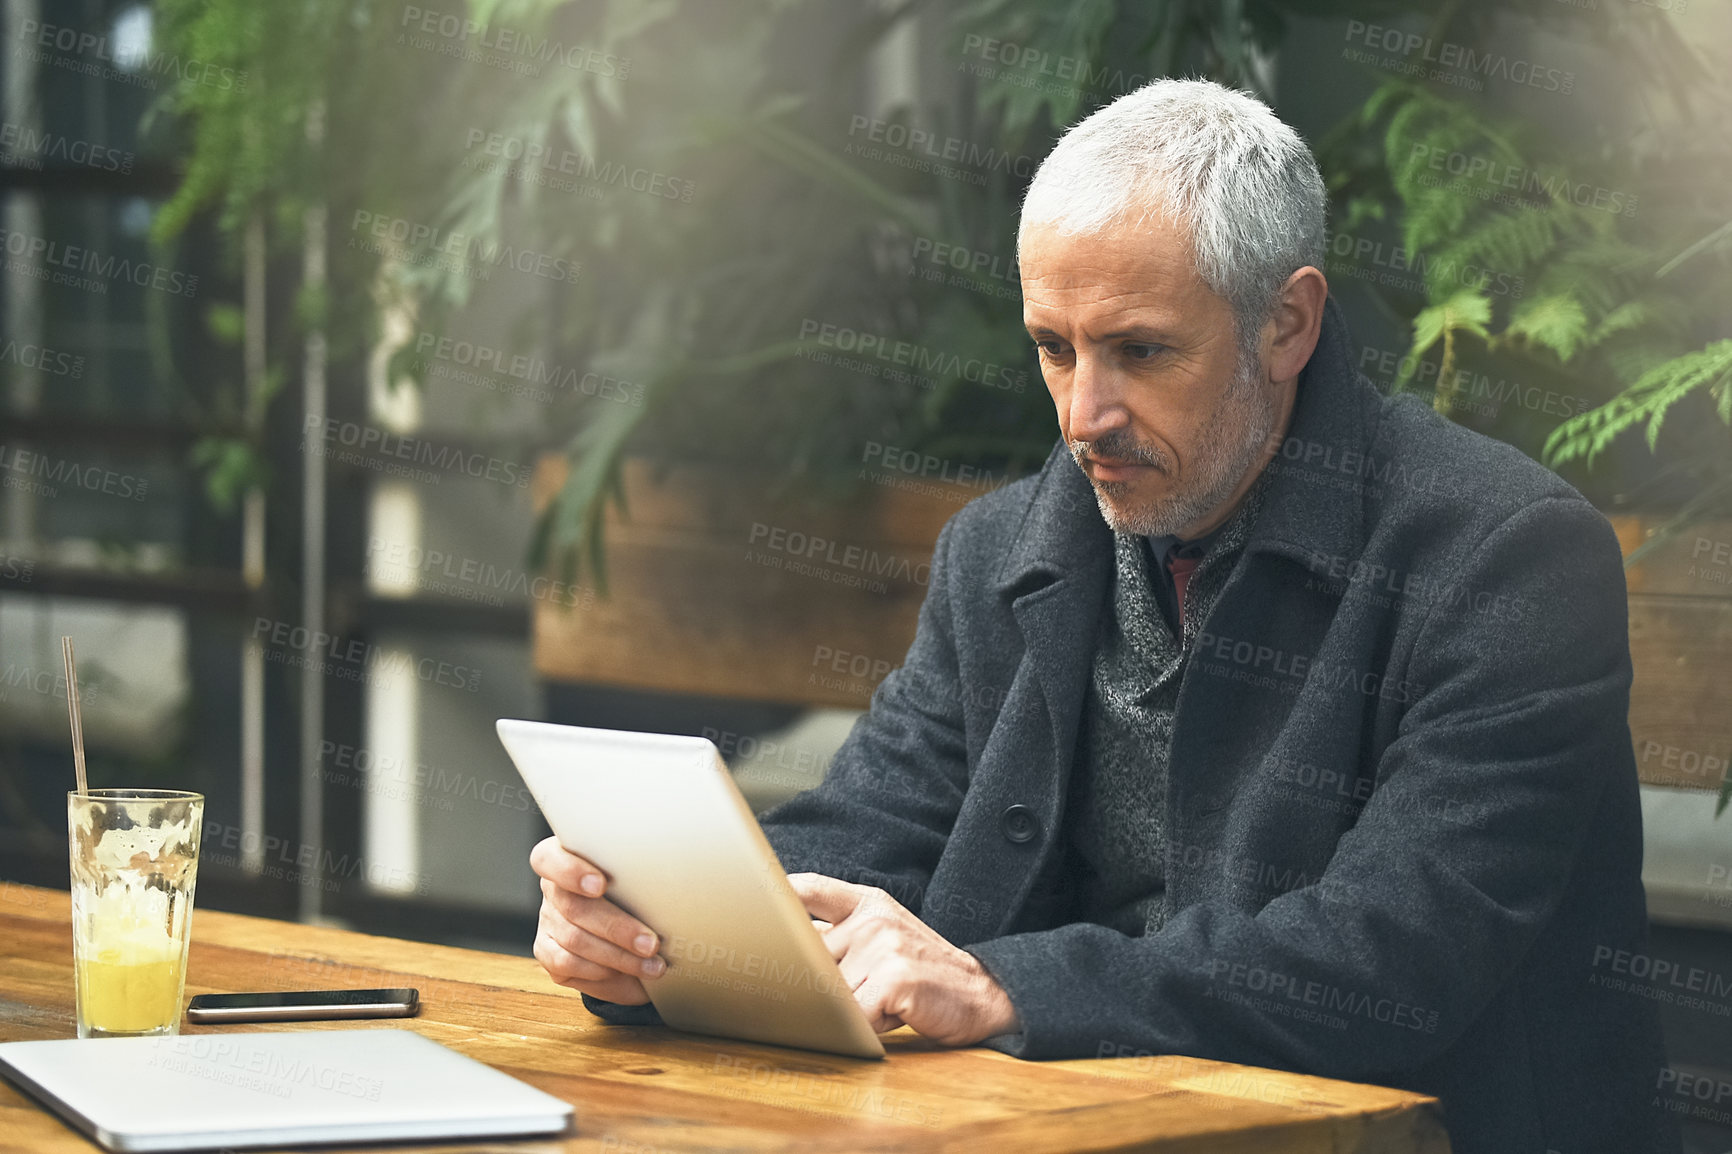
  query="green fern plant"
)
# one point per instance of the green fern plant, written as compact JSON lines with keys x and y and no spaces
{"x":1627,"y":309}
{"x":1526,"y":273}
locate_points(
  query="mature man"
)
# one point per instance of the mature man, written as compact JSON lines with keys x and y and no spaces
{"x":1308,"y":749}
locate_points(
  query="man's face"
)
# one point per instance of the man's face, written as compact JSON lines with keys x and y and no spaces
{"x":1140,"y":358}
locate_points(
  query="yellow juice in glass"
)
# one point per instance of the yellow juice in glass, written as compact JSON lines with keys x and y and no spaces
{"x":134,"y":866}
{"x":123,"y":989}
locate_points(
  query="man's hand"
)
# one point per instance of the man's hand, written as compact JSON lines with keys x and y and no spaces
{"x":584,"y":941}
{"x":902,"y":971}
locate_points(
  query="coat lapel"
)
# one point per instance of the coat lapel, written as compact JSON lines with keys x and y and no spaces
{"x":1055,"y":579}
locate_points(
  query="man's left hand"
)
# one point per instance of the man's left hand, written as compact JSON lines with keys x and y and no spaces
{"x":902,"y":971}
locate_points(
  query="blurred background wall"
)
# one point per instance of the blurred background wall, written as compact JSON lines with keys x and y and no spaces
{"x":372,"y":370}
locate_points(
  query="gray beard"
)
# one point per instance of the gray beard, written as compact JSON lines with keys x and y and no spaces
{"x":1219,"y":467}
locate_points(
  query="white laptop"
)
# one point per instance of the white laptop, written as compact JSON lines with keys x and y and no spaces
{"x":660,"y":815}
{"x":209,"y":1091}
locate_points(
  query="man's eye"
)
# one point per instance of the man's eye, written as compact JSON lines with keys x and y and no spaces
{"x":1137,"y":351}
{"x":1050,"y":348}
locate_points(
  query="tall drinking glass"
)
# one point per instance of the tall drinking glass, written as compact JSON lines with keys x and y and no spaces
{"x":134,"y":865}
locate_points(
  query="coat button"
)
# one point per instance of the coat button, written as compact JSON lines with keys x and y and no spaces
{"x":1019,"y":823}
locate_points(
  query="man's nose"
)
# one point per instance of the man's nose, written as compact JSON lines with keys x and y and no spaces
{"x":1096,"y":406}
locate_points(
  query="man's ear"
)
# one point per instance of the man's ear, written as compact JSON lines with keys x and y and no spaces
{"x":1292,"y":331}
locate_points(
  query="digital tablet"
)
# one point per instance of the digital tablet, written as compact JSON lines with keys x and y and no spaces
{"x":660,"y":815}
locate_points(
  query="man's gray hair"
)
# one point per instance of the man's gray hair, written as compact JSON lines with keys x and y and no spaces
{"x":1211,"y":159}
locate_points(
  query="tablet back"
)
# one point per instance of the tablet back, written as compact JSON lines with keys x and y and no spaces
{"x":661,"y":816}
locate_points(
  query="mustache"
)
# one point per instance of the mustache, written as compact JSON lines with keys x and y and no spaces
{"x":1120,"y":447}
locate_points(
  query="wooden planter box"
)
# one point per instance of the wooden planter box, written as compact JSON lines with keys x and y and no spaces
{"x":720,"y":591}
{"x":1681,"y":647}
{"x":716,"y":589}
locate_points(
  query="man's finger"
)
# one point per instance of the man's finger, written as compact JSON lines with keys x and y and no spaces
{"x":835,"y":940}
{"x":565,"y":869}
{"x":868,"y":994}
{"x":585,"y":943}
{"x":585,"y":976}
{"x":603,"y":919}
{"x":562,"y":964}
{"x":829,"y":899}
{"x":621,"y":991}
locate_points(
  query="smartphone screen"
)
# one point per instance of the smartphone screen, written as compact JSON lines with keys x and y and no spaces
{"x":303,"y":1005}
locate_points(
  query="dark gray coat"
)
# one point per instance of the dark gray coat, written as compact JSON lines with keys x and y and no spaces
{"x":1404,"y":835}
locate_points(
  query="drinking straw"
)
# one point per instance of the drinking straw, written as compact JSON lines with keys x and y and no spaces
{"x":72,"y":709}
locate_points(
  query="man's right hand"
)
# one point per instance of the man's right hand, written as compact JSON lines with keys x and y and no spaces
{"x":584,"y":941}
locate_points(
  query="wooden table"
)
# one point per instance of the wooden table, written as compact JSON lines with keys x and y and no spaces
{"x":648,"y":1091}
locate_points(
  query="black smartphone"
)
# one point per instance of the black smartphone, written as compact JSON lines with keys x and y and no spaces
{"x":303,"y":1006}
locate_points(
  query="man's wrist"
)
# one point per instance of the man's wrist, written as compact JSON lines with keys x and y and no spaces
{"x":1005,"y":1020}
{"x":997,"y":1013}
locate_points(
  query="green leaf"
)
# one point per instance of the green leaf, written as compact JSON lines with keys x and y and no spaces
{"x":1630,"y":316}
{"x":226,"y":322}
{"x":1466,"y":311}
{"x":232,"y":467}
{"x":1556,"y":322}
{"x":1648,"y":400}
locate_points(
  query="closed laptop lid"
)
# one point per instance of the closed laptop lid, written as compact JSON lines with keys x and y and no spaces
{"x":206,"y":1091}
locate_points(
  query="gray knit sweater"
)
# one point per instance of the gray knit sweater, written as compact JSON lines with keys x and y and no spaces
{"x":1116,"y":813}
